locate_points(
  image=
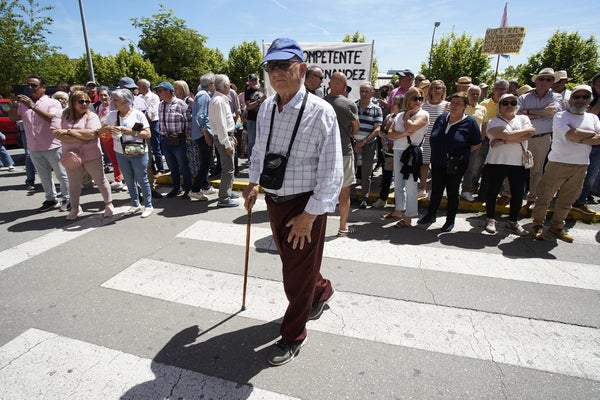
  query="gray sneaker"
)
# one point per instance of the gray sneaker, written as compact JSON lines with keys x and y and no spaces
{"x":514,"y":227}
{"x":317,"y":309}
{"x":283,"y":353}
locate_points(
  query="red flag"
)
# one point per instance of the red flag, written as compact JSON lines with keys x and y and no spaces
{"x":504,"y":22}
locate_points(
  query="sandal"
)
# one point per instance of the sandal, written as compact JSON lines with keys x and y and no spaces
{"x":391,"y":215}
{"x":403,"y":223}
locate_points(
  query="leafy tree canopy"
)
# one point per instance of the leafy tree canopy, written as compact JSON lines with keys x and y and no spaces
{"x":244,"y":59}
{"x":455,"y":56}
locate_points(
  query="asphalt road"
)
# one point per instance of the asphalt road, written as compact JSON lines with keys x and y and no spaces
{"x":135,"y":308}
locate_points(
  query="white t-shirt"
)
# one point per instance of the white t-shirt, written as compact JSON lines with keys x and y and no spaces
{"x":128,"y":122}
{"x":565,"y":151}
{"x":415,"y":138}
{"x":507,"y":153}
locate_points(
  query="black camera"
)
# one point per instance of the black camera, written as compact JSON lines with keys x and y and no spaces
{"x":22,"y":89}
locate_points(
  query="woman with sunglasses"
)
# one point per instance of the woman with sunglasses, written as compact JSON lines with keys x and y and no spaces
{"x":79,"y":135}
{"x":409,"y":130}
{"x":508,"y":134}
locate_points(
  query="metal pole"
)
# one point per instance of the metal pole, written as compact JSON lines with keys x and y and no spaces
{"x":87,"y":45}
{"x":435,"y":25}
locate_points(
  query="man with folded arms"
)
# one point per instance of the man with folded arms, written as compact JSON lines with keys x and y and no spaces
{"x":575,"y":131}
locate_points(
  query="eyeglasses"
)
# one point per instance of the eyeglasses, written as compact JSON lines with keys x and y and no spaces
{"x":33,"y":85}
{"x":83,"y":101}
{"x":281,"y":65}
{"x":320,"y":77}
{"x":418,"y":98}
{"x":581,"y":96}
{"x":506,"y":103}
{"x":545,"y":79}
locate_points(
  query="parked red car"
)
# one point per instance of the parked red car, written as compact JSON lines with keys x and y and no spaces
{"x":7,"y":127}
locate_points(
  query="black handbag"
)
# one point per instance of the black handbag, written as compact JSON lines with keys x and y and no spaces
{"x":273,"y":172}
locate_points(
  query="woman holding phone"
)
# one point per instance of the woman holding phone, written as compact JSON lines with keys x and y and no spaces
{"x":129,"y":128}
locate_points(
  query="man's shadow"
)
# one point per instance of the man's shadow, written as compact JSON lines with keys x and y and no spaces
{"x":235,"y":357}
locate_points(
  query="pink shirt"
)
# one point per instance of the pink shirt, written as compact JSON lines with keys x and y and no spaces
{"x":37,"y":129}
{"x":88,"y":150}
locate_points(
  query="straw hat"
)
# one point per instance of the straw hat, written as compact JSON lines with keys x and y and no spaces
{"x":524,"y":89}
{"x":562,"y":74}
{"x":544,"y":72}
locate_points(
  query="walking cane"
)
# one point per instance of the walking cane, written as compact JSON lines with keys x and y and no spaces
{"x":248,"y":223}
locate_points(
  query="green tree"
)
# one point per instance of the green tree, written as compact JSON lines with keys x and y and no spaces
{"x":356,"y":37}
{"x":455,"y":56}
{"x":176,"y":51}
{"x":23,"y":29}
{"x":243,"y":60}
{"x":56,"y":67}
{"x":565,"y":51}
{"x":109,"y":69}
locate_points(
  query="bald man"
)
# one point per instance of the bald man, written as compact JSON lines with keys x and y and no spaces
{"x":347,"y":116}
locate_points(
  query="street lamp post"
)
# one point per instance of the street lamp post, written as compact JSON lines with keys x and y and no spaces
{"x":124,"y":38}
{"x":435,"y":25}
{"x":87,"y":45}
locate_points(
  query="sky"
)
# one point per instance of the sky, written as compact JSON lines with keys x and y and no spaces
{"x":401,"y":34}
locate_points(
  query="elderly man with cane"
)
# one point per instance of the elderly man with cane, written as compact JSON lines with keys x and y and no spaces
{"x":297,"y":159}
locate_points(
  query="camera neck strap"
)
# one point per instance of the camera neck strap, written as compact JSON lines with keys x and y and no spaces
{"x":287,"y":155}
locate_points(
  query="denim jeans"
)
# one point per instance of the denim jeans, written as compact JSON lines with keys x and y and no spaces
{"x":135,"y":172}
{"x":5,"y":158}
{"x":155,"y":147}
{"x":45,"y":162}
{"x":205,"y":152}
{"x":178,"y":163}
{"x":592,"y":176}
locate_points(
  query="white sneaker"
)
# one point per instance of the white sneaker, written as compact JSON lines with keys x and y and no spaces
{"x":490,"y":227}
{"x":116,"y":186}
{"x":379,"y":203}
{"x":147,"y":212}
{"x":197,"y":196}
{"x":210,"y":190}
{"x":133,"y":210}
{"x":467,"y":196}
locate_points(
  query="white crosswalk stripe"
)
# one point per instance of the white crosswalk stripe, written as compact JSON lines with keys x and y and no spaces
{"x":43,"y":365}
{"x":550,"y":272}
{"x":523,"y":342}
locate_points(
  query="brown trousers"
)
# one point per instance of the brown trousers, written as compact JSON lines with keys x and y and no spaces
{"x":302,"y":280}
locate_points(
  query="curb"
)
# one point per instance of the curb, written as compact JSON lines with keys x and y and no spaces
{"x":464,"y":206}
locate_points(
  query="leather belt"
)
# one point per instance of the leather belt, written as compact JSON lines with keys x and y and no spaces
{"x":282,"y":199}
{"x":541,"y":134}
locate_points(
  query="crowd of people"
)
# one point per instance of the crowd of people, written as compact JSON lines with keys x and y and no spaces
{"x":427,"y":142}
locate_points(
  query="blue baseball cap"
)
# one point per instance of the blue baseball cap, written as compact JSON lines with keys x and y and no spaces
{"x":127,"y":83}
{"x":166,"y":85}
{"x":283,"y":49}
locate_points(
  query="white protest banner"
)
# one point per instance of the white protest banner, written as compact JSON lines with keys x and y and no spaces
{"x":354,"y":60}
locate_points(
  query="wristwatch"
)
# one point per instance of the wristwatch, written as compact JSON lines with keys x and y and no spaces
{"x":32,"y":106}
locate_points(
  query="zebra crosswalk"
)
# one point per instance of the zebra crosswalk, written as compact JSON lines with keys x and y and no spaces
{"x":42,"y":364}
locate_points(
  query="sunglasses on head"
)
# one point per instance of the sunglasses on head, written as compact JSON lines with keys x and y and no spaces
{"x":83,"y":101}
{"x":509,"y":103}
{"x":281,"y":65}
{"x":581,"y":96}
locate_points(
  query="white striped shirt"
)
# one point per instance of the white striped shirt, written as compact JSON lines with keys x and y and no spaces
{"x":315,"y":162}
